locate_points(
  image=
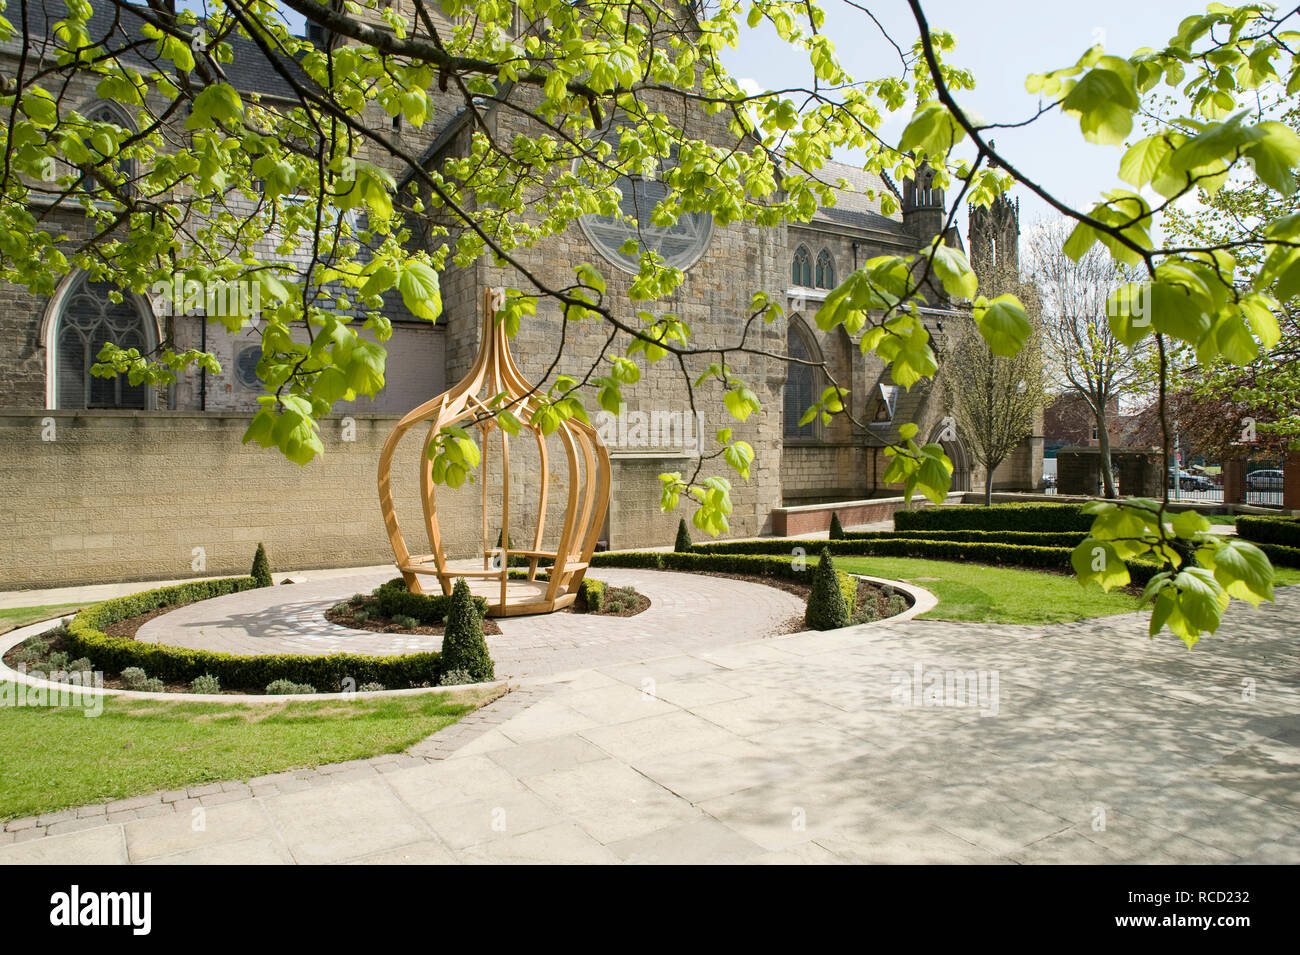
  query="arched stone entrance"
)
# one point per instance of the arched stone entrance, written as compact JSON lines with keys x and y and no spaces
{"x":957,"y":454}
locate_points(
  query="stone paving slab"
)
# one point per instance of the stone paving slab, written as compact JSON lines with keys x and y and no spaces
{"x":687,"y":612}
{"x":1100,"y":746}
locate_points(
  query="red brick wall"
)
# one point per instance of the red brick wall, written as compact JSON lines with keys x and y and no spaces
{"x":1234,"y":481}
{"x":1291,"y":481}
{"x":794,"y":521}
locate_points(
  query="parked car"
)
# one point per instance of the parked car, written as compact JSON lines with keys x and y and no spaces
{"x":1264,"y":481}
{"x":1191,"y":482}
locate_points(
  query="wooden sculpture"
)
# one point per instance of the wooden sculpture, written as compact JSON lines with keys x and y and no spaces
{"x":466,"y":405}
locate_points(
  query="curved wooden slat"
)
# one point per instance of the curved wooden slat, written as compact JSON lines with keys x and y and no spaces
{"x":589,"y":489}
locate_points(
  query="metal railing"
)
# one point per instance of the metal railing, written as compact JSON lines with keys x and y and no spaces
{"x":1262,"y":498}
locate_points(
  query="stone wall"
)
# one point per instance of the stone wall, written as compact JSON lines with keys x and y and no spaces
{"x":102,"y":496}
{"x":1023,"y":469}
{"x":811,"y":474}
{"x":119,"y":495}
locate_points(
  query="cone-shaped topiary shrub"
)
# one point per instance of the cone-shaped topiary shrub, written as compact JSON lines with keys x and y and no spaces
{"x":261,"y":571}
{"x":463,"y":646}
{"x":826,"y":609}
{"x":683,"y":544}
{"x":837,"y":529}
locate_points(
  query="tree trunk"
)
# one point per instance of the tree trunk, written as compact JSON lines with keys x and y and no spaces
{"x":1103,"y":446}
{"x":988,"y":481}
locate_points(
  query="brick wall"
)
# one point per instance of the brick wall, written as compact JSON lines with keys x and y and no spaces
{"x":794,"y":521}
{"x":1291,"y":481}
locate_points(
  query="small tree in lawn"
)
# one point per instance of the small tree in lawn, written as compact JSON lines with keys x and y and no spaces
{"x":261,"y":571}
{"x":683,"y":544}
{"x":837,"y":529}
{"x":826,"y":607}
{"x":463,"y":645}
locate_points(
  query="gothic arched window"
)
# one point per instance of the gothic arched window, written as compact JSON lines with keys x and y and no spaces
{"x":112,"y":114}
{"x":681,"y":243}
{"x":801,"y":273}
{"x":85,"y":322}
{"x":825,"y":270}
{"x":800,"y":384}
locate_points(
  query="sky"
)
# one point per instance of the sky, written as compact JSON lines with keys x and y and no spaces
{"x":1000,"y":42}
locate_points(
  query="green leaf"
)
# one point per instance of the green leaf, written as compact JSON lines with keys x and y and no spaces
{"x":738,"y":456}
{"x":741,"y":402}
{"x":40,"y":107}
{"x":1241,"y":568}
{"x":590,"y":276}
{"x":1188,"y":524}
{"x":1081,"y":239}
{"x":1143,"y":158}
{"x":1275,"y":155}
{"x":1004,"y":325}
{"x":1258,"y":310}
{"x":418,"y":284}
{"x":954,"y":271}
{"x":1189,"y":603}
{"x":508,"y":421}
{"x":1096,"y":561}
{"x":1104,"y":100}
{"x":932,"y":131}
{"x":218,"y":102}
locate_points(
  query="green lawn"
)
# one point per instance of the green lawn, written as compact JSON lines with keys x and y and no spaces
{"x":15,"y":617}
{"x":52,"y":758}
{"x":984,"y":594}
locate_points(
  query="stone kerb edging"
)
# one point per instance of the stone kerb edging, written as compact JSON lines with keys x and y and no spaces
{"x":14,"y":637}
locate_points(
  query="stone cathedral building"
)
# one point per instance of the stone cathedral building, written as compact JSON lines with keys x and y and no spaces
{"x":107,"y":480}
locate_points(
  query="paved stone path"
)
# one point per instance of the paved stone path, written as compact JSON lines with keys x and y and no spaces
{"x":1097,"y":746}
{"x":687,"y":612}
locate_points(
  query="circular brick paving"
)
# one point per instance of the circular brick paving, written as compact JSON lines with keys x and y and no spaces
{"x":687,"y":612}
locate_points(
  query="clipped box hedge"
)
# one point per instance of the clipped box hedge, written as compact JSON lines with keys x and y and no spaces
{"x":1284,"y":531}
{"x":848,"y":590}
{"x":392,"y":599}
{"x":591,"y":594}
{"x":1280,"y":555}
{"x":759,"y":565}
{"x":759,"y":557}
{"x":1033,"y":538}
{"x":995,"y":517}
{"x":326,"y":673}
{"x":862,"y":542}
